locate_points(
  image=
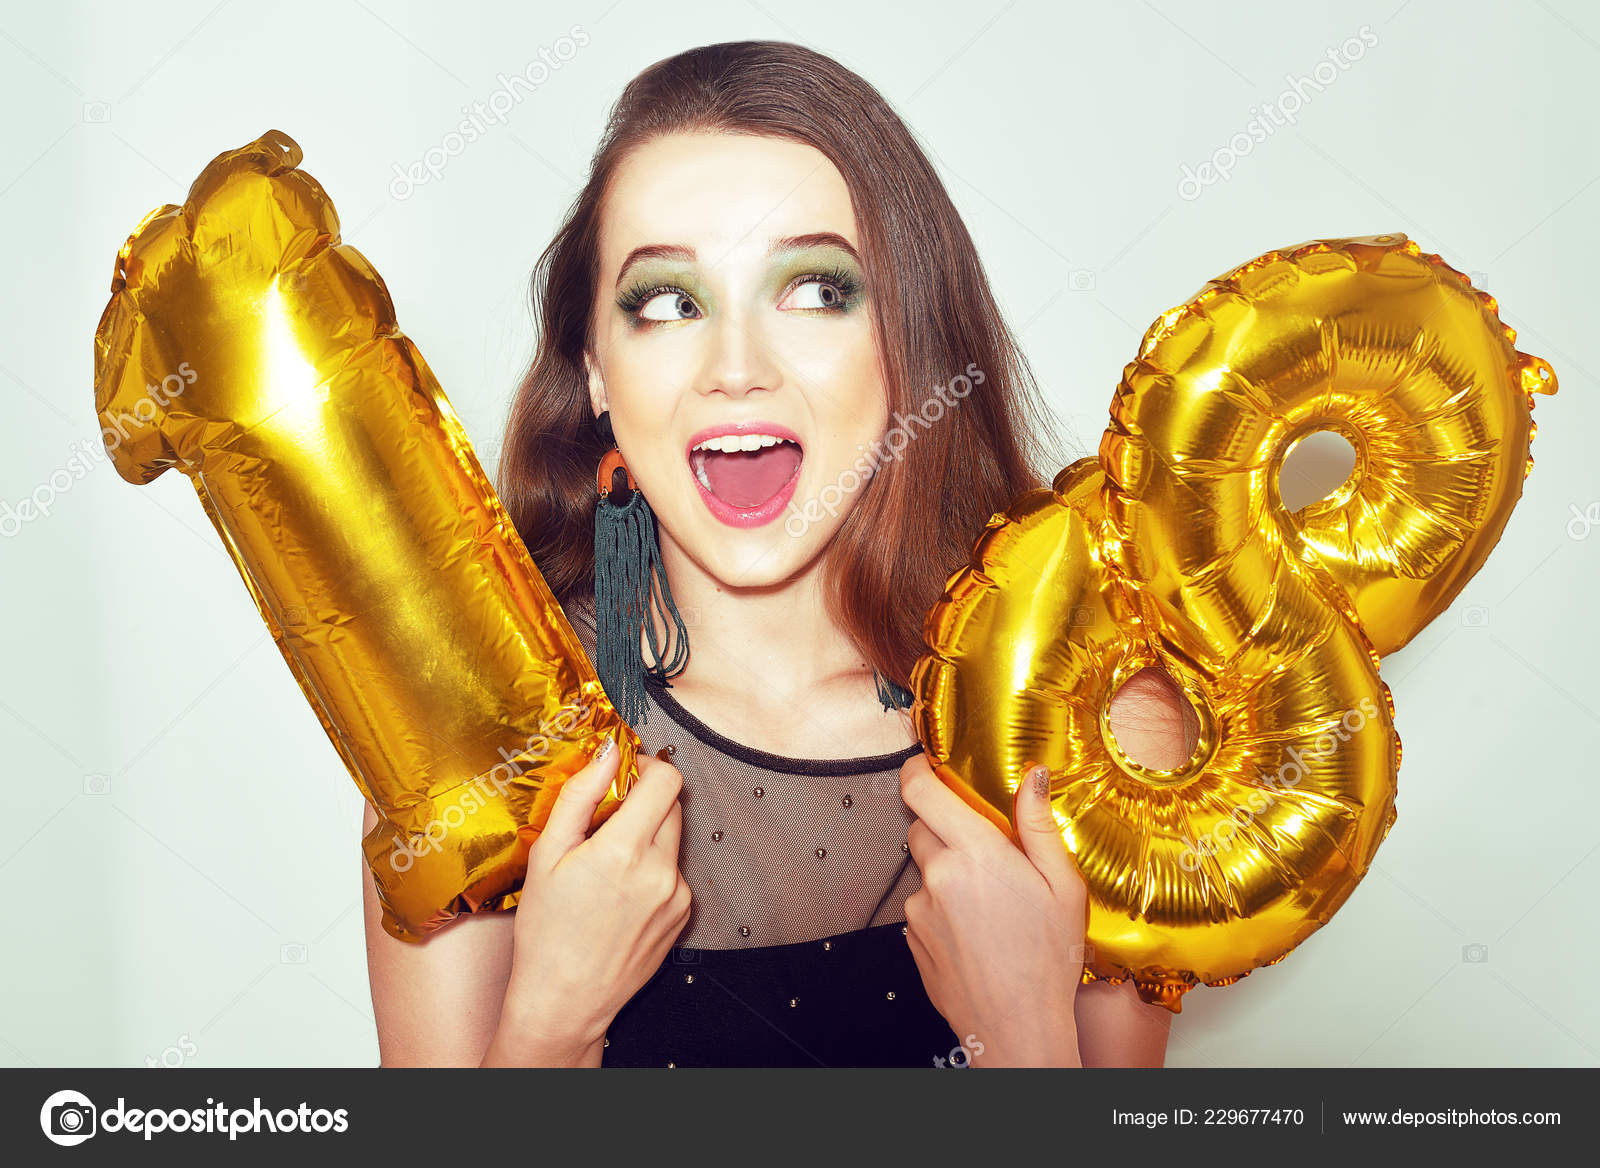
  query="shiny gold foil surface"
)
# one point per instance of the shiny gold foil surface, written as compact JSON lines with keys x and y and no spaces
{"x":1370,"y":338}
{"x":248,"y":347}
{"x":1174,"y":549}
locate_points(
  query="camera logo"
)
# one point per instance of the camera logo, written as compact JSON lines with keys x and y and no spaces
{"x":68,"y":1118}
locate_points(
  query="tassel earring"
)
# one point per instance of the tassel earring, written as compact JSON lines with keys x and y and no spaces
{"x":630,"y":588}
{"x":893,"y":695}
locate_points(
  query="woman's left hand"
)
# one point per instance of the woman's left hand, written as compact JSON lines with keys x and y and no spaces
{"x":997,"y":929}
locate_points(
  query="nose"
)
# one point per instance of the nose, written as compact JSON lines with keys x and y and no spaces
{"x":738,"y":359}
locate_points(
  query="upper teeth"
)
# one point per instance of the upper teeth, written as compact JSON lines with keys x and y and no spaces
{"x":730,"y":443}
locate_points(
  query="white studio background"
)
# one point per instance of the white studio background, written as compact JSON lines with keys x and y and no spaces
{"x":180,"y":859}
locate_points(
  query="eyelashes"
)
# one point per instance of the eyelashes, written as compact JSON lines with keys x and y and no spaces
{"x":845,"y":282}
{"x":838,"y":290}
{"x":636,"y":298}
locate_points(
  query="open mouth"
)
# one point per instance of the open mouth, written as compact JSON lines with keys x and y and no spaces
{"x":746,"y":474}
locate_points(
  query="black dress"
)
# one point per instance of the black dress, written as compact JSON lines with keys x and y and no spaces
{"x":795,"y":951}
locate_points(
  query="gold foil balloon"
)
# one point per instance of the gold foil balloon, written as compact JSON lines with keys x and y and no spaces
{"x":246,"y":346}
{"x":1174,"y":549}
{"x":1371,"y":339}
{"x":1198,"y":874}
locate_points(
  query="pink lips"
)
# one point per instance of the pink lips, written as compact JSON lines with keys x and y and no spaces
{"x":725,"y":512}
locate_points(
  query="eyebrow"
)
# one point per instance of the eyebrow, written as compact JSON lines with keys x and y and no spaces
{"x":677,"y":251}
{"x":655,"y":251}
{"x":816,"y":239}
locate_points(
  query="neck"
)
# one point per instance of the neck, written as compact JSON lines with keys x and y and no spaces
{"x":779,"y":637}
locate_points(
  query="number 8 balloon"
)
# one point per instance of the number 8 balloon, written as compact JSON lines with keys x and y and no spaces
{"x":1175,"y":549}
{"x":248,"y":347}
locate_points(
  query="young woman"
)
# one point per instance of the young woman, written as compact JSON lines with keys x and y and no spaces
{"x":756,"y":296}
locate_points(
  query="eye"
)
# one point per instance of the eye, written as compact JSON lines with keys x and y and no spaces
{"x":814,"y":292}
{"x":669,"y":306}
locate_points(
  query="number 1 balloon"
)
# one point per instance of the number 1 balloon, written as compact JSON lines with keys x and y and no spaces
{"x":248,"y":347}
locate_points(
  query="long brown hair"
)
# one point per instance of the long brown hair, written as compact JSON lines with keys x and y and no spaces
{"x":918,"y":516}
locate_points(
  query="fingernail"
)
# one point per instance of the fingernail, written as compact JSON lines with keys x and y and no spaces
{"x":605,"y":750}
{"x":1039,"y":778}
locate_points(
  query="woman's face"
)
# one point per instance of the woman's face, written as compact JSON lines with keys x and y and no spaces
{"x":734,"y":348}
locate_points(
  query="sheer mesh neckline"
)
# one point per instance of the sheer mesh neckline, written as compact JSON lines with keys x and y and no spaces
{"x":777,"y":850}
{"x":821,"y":767}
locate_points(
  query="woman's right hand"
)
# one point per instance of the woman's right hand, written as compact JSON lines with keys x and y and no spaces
{"x":597,"y":916}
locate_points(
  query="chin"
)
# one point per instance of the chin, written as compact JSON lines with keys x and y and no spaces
{"x":759,"y":558}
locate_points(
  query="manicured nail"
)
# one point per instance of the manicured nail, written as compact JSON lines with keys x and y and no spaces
{"x":605,"y":750}
{"x":1039,"y":777}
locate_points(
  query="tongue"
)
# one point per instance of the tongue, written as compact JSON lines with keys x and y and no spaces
{"x":748,"y":478}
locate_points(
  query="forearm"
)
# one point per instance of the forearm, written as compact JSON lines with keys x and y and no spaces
{"x":526,"y":1042}
{"x":1035,"y":1051}
{"x":1044,"y":1036}
{"x":511,"y":1051}
{"x":539,"y":1027}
